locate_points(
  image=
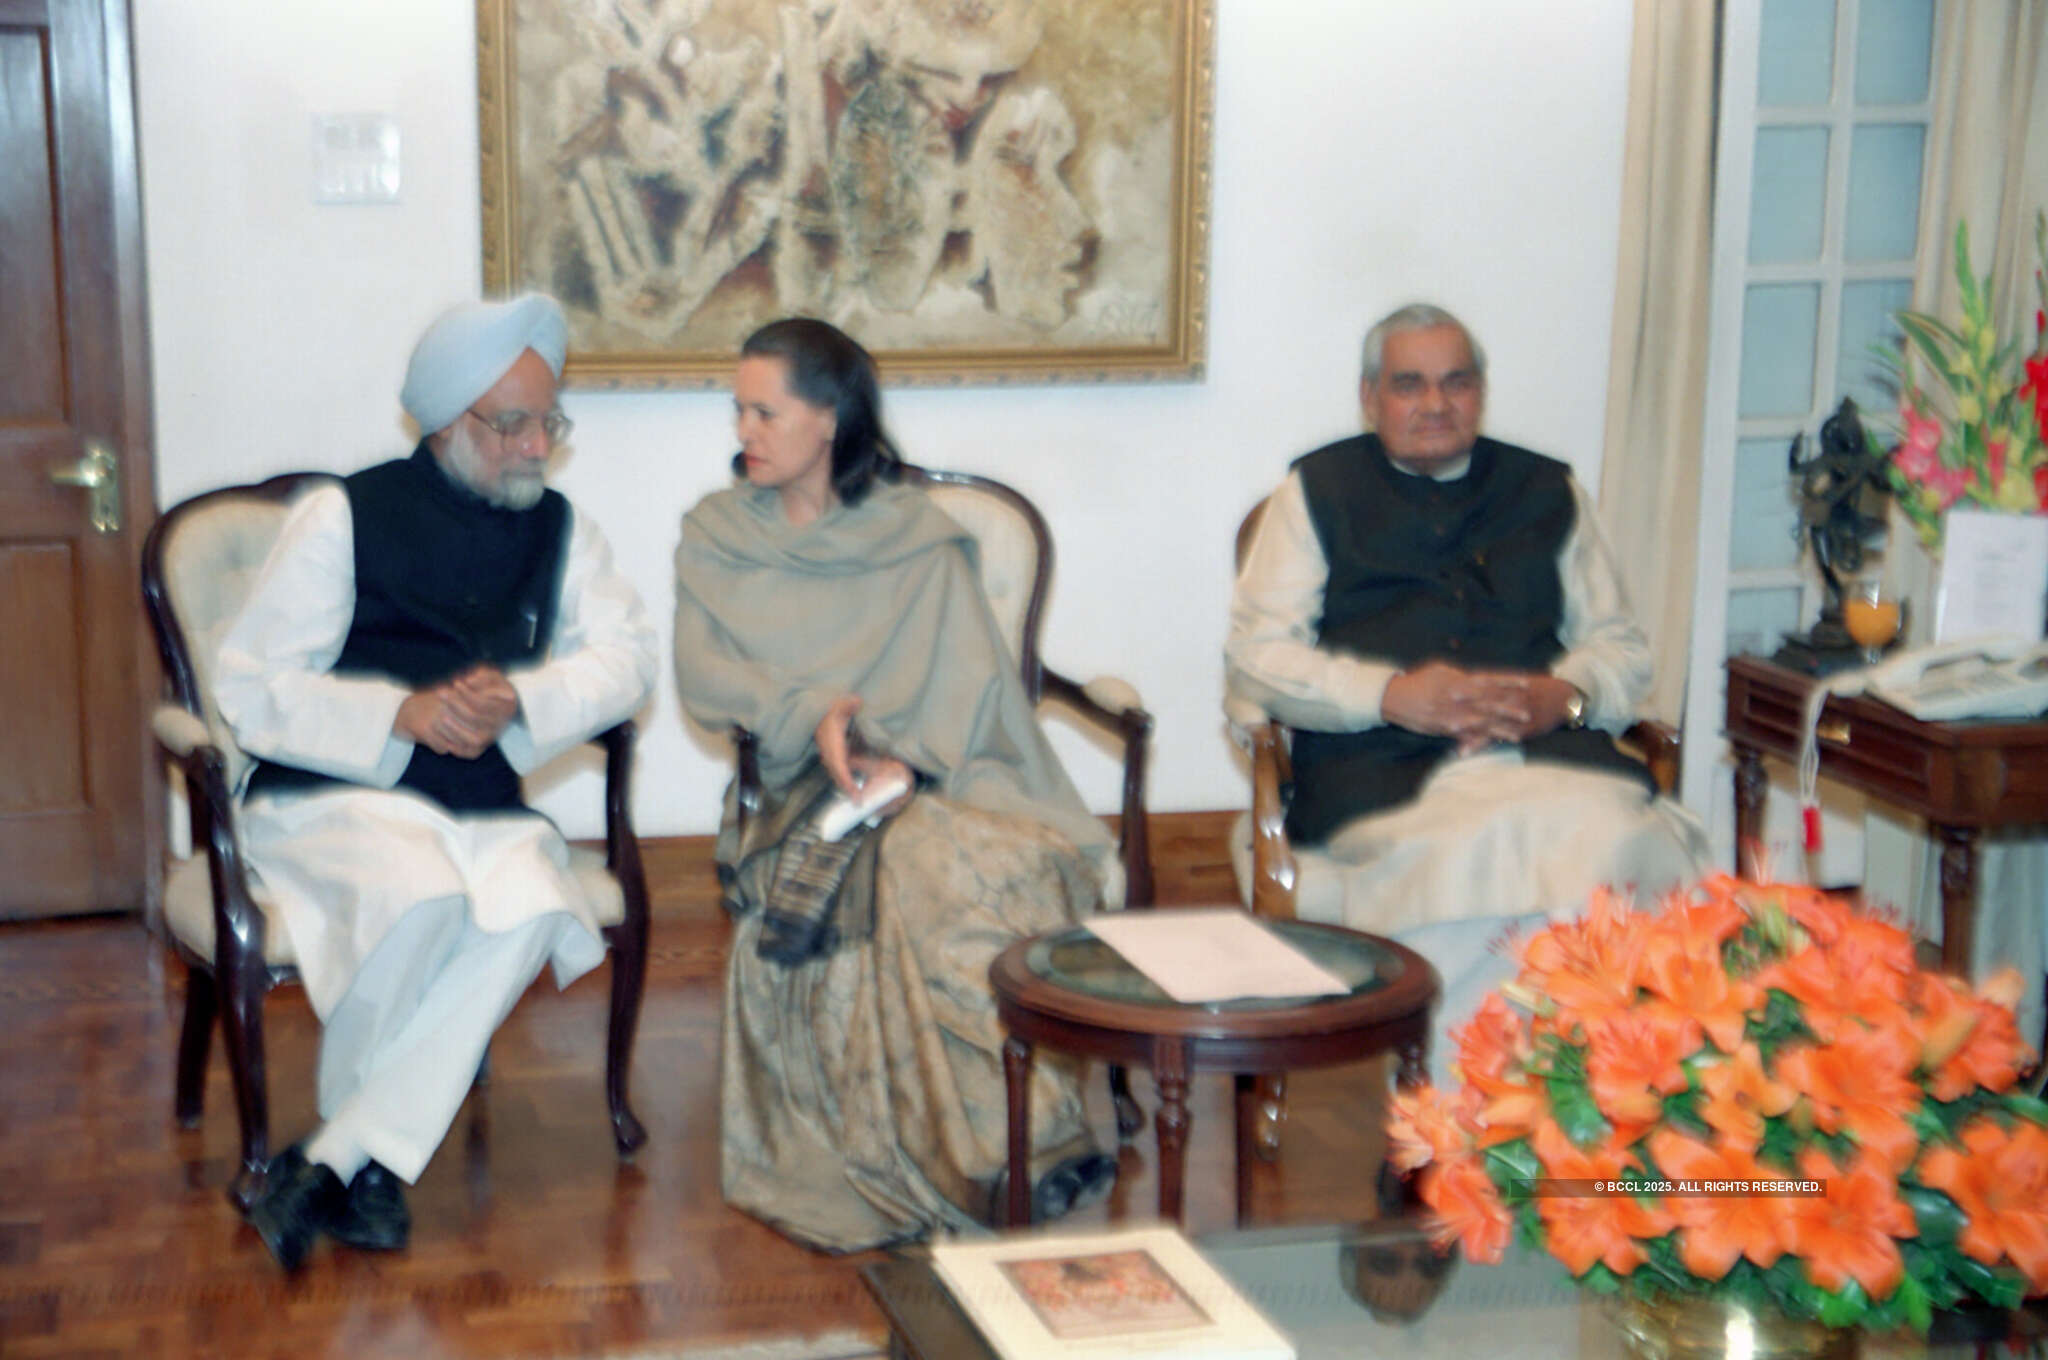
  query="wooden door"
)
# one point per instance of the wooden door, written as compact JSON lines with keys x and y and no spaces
{"x":73,"y":380}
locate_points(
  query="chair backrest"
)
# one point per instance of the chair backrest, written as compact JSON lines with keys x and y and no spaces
{"x":1016,"y":556}
{"x":198,"y":565}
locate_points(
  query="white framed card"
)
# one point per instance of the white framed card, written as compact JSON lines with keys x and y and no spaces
{"x":1994,"y":576}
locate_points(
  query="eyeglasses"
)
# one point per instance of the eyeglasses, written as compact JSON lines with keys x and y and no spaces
{"x":522,"y":424}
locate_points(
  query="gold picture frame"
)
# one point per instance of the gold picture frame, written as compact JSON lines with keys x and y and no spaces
{"x":980,"y":191}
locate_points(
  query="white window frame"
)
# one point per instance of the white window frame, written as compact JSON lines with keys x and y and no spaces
{"x":1706,"y":766}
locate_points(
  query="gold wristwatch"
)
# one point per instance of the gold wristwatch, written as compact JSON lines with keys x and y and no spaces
{"x":1575,"y":709}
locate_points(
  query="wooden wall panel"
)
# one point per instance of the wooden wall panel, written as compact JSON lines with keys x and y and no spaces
{"x":31,"y":347}
{"x":41,"y":738}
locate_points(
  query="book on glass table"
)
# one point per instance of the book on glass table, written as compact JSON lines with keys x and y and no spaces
{"x":1142,"y":1291}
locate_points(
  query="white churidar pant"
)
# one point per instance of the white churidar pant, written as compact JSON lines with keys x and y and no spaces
{"x":400,"y":1052}
{"x":416,"y":932}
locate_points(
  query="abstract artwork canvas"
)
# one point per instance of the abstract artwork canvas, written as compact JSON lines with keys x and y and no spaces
{"x":978,"y":190}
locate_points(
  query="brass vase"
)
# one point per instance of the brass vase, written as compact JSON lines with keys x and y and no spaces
{"x":1700,"y":1328}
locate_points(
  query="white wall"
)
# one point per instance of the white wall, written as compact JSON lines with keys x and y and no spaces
{"x":1367,"y":153}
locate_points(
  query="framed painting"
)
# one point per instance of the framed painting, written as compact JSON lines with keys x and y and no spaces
{"x":978,"y":190}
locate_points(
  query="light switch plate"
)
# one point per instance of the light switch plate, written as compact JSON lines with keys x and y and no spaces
{"x":355,"y":158}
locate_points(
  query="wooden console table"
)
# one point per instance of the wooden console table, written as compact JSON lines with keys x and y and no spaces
{"x":1961,"y":776}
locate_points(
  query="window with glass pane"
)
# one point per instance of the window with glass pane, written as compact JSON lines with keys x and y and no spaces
{"x":1840,"y":150}
{"x":1758,"y":620}
{"x":1764,"y":532}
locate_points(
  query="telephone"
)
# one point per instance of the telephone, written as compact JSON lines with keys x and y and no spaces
{"x":1985,"y":677}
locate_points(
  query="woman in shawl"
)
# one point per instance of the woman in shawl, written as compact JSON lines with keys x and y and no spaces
{"x":838,"y":615}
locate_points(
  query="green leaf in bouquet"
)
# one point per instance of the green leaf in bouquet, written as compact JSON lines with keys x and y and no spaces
{"x":1909,"y":1305}
{"x":1940,"y":1218}
{"x":1571,"y":1098}
{"x":1662,"y":1267}
{"x":1929,"y":1122}
{"x":1943,"y":1120}
{"x":1746,"y":1285}
{"x":1781,"y":1141}
{"x":1681,"y":1111}
{"x":1996,"y":1285}
{"x":1780,"y":1024}
{"x":1508,"y":1164}
{"x":2027,"y":1107}
{"x":1844,"y":1307}
{"x":1600,"y":1279}
{"x":1923,"y":331}
{"x":1966,"y":284}
{"x":1790,"y":1290}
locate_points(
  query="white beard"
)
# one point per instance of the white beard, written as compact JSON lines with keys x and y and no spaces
{"x":517,"y":488}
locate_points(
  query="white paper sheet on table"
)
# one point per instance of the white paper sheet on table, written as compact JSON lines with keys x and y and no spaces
{"x":1212,"y":954}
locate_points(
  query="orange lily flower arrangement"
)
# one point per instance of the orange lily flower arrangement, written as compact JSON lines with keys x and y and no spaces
{"x":1753,"y":1092}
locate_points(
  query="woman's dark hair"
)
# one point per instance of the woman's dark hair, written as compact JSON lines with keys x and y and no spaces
{"x":828,"y":368}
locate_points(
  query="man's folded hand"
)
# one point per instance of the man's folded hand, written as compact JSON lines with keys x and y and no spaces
{"x":1478,"y":708}
{"x":463,"y":717}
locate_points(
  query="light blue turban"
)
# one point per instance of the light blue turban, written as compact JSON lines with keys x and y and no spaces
{"x":470,"y":346}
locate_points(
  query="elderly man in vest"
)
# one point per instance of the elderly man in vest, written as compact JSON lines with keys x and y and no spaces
{"x":424,"y":632}
{"x":1438,"y":617}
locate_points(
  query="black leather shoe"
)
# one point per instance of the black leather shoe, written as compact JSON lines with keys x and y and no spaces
{"x":1074,"y":1184}
{"x":299,"y":1201}
{"x":374,"y":1218}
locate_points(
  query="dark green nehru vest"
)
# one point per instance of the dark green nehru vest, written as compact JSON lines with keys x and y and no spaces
{"x":444,"y":580}
{"x":1463,"y":571}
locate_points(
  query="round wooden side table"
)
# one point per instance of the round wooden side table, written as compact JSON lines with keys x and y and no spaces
{"x":1070,"y":991}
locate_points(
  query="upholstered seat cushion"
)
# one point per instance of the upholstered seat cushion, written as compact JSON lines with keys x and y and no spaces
{"x":188,"y":904}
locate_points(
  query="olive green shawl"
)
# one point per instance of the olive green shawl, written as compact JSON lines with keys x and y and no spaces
{"x":883,"y":600}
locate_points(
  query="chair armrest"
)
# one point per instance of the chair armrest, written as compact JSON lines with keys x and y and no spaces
{"x":621,"y":845}
{"x":239,"y":925}
{"x":1113,"y":704}
{"x":1112,"y":694}
{"x":179,"y":729}
{"x":1659,"y":745}
{"x":1273,"y":868}
{"x":1107,"y":701}
{"x":1242,"y":717}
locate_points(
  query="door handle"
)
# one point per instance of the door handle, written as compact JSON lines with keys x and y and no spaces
{"x":96,"y":473}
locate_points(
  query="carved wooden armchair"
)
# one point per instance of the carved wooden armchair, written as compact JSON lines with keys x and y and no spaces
{"x":1275,"y":876}
{"x":198,"y":565}
{"x":1016,"y":572}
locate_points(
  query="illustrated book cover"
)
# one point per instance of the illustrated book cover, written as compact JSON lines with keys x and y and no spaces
{"x":1123,"y":1292}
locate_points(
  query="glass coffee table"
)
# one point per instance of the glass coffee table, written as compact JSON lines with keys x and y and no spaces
{"x":1373,"y":1289}
{"x":1070,"y":991}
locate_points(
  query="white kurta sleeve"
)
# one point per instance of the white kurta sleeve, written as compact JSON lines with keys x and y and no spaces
{"x":273,"y":677}
{"x":599,"y":667}
{"x":1606,"y":654}
{"x":1271,"y":658}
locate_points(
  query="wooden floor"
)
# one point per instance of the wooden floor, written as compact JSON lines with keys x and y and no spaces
{"x":530,"y":1238}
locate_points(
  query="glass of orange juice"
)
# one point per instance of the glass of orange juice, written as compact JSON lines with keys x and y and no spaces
{"x":1873,"y":613}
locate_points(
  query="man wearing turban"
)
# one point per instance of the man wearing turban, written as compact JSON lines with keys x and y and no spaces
{"x":424,"y":632}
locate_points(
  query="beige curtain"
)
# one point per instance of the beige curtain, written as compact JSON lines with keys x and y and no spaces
{"x":1650,"y":469}
{"x":1987,"y":156}
{"x":1987,"y":164}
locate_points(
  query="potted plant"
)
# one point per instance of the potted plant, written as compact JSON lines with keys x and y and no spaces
{"x":1973,"y":409}
{"x":1750,"y":1098}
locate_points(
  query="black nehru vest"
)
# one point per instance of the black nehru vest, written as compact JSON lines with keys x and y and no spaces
{"x":444,"y":580}
{"x":1463,"y":571}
